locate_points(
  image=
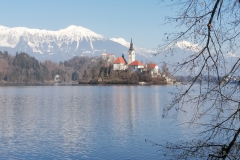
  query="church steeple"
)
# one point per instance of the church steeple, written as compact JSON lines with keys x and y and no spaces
{"x":131,"y":53}
{"x":131,"y":46}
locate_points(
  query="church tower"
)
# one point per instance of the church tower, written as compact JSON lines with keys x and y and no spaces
{"x":131,"y":53}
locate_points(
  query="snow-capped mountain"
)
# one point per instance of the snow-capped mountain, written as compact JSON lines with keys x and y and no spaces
{"x":188,"y":45}
{"x":63,"y":44}
{"x":141,"y":51}
{"x":121,"y":41}
{"x":79,"y":41}
{"x":183,"y":51}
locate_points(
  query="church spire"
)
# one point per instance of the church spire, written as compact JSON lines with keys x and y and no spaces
{"x":131,"y":46}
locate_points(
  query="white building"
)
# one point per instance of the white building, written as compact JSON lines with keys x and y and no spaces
{"x":131,"y":54}
{"x":57,"y":78}
{"x":120,"y":63}
{"x":136,"y":65}
{"x":153,"y":69}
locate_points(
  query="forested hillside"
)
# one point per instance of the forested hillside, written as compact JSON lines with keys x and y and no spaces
{"x":24,"y":69}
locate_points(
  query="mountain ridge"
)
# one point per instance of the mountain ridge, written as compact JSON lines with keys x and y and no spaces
{"x":74,"y":40}
{"x":68,"y":42}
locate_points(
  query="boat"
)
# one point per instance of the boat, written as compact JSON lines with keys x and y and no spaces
{"x":142,"y":83}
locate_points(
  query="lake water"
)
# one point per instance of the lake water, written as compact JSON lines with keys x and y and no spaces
{"x":85,"y":122}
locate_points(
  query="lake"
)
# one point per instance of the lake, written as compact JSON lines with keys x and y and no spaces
{"x":86,"y":122}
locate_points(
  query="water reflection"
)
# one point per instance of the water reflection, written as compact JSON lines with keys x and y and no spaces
{"x":132,"y":109}
{"x":83,"y":122}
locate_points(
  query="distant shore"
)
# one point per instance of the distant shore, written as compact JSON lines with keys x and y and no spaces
{"x":36,"y":83}
{"x":76,"y":84}
{"x":123,"y":82}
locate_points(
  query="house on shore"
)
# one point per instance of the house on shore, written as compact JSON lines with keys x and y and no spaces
{"x":57,"y":78}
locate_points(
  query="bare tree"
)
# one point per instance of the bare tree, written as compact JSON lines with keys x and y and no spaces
{"x":165,"y":70}
{"x":213,"y":26}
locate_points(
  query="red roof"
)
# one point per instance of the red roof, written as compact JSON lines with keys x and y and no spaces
{"x":152,"y":65}
{"x":136,"y":63}
{"x":119,"y":60}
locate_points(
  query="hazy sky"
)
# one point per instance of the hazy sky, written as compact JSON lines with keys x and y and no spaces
{"x":139,"y":19}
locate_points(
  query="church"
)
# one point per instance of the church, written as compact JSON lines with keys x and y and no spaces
{"x":121,"y":64}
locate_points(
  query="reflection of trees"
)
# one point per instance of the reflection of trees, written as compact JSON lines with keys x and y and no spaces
{"x":214,"y":27}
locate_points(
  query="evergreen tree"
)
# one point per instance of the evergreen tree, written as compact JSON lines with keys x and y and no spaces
{"x":75,"y":76}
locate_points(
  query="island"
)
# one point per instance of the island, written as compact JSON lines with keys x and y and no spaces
{"x":119,"y":71}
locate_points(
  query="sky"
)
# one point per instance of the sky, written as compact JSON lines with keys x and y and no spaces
{"x":140,"y":20}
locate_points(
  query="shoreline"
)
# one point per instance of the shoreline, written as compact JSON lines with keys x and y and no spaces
{"x":80,"y":84}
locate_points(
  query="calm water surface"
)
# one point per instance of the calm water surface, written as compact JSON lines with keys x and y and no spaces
{"x":85,"y":122}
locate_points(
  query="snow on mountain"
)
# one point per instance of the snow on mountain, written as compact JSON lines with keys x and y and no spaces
{"x":183,"y":51}
{"x":3,"y":27}
{"x":141,"y":51}
{"x":79,"y":41}
{"x":231,"y":55}
{"x":191,"y":48}
{"x":64,"y":43}
{"x":73,"y":40}
{"x":38,"y":39}
{"x":121,"y":41}
{"x":188,"y":45}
